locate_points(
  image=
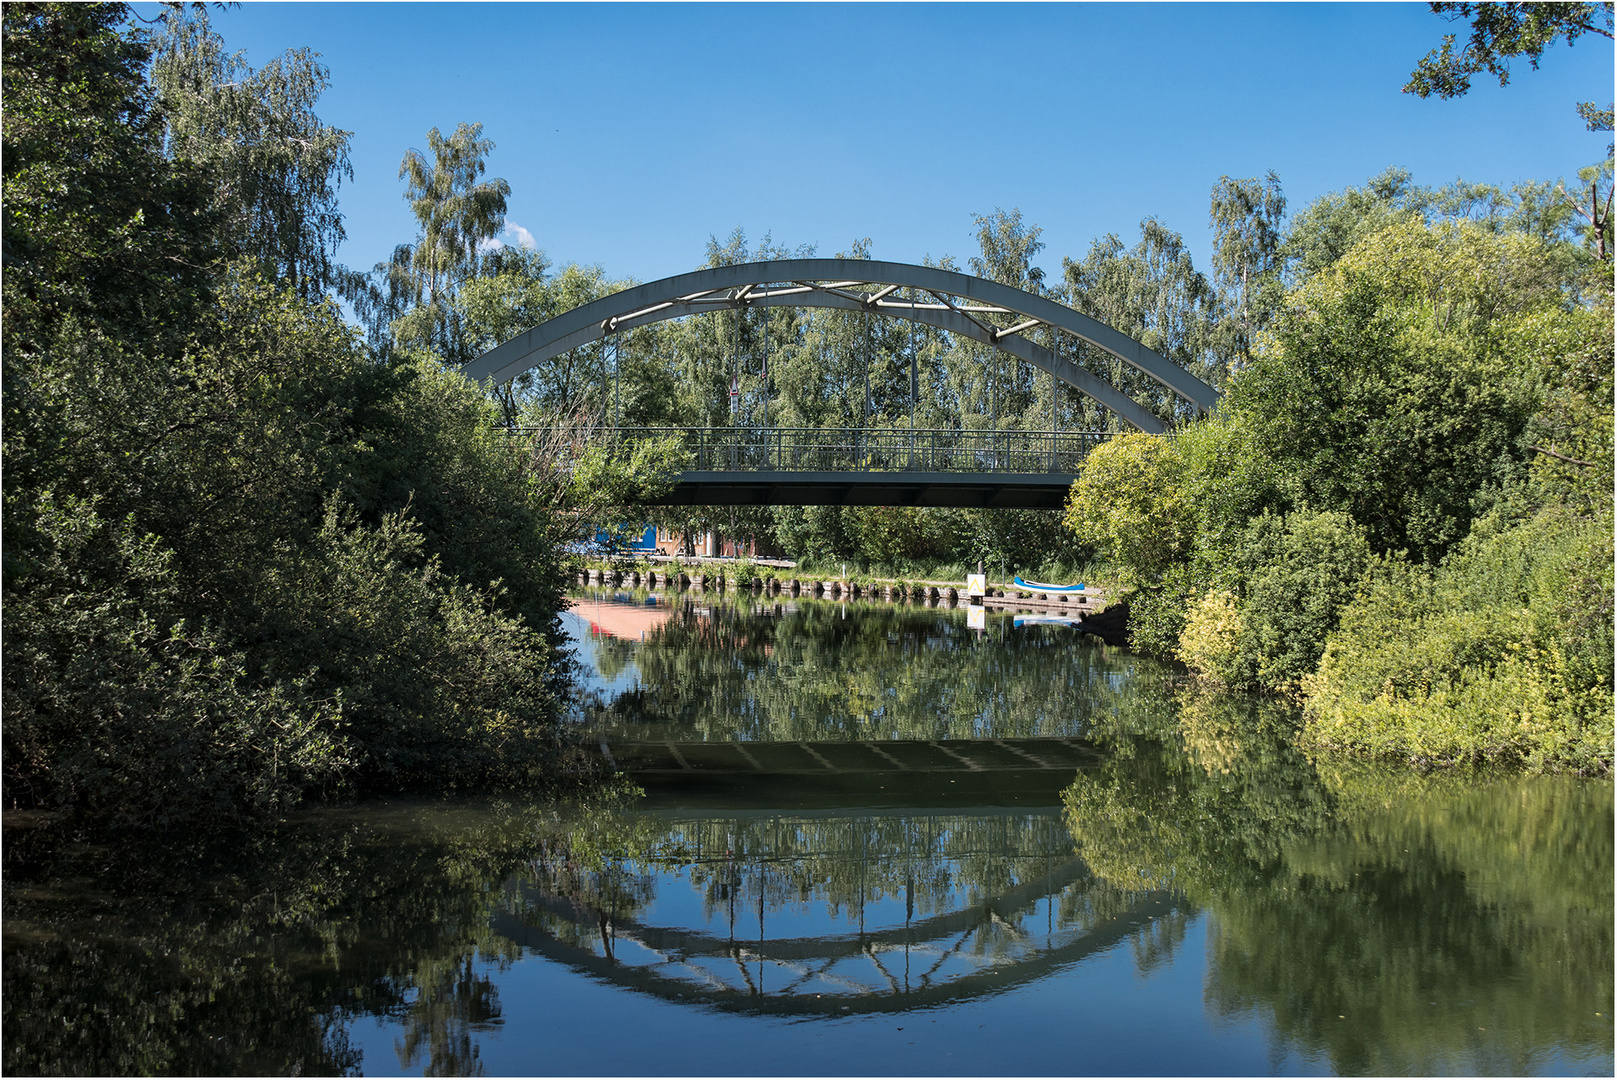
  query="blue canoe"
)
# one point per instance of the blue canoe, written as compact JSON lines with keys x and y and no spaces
{"x":1039,"y":587}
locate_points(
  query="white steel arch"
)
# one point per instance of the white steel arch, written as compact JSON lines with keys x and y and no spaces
{"x":958,"y":303}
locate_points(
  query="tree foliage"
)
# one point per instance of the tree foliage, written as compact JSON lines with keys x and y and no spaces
{"x":98,"y":225}
{"x":1248,"y":228}
{"x":273,"y":166}
{"x":244,"y":561}
{"x":458,"y":213}
{"x":1153,"y":293}
{"x":1130,"y":506}
{"x":1499,"y":34}
{"x":1385,"y":393}
{"x":1438,"y":387}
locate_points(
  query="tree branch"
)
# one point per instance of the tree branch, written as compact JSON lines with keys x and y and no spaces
{"x":1563,"y":457}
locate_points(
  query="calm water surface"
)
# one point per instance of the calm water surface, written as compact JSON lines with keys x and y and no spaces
{"x":874,"y":840}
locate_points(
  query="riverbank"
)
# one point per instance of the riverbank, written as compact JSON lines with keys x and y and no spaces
{"x":776,"y":575}
{"x":998,"y":595}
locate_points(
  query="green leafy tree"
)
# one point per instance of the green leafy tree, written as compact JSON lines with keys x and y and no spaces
{"x":98,"y":225}
{"x":1383,"y":393}
{"x":244,"y":562}
{"x":1501,"y":32}
{"x":274,"y":165}
{"x":458,"y":213}
{"x":1129,"y":505}
{"x":1248,"y":226}
{"x":1153,"y":293}
{"x":614,"y":379}
{"x":1006,"y":246}
{"x":1331,"y":225}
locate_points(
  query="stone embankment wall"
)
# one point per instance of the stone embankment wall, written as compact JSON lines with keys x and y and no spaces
{"x":1110,"y":623}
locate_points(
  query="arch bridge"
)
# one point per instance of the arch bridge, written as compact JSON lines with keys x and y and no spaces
{"x":873,"y":465}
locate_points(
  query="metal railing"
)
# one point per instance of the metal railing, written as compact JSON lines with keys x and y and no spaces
{"x":734,"y":449}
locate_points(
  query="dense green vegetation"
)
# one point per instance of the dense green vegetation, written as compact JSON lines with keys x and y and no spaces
{"x":253,"y":553}
{"x":1402,"y":509}
{"x":245,"y":558}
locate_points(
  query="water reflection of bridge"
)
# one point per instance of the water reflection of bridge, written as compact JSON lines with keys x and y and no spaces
{"x":695,"y":760}
{"x":759,"y":952}
{"x":981,"y":902}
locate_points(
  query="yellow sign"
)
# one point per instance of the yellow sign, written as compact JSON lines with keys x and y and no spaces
{"x":976,"y":584}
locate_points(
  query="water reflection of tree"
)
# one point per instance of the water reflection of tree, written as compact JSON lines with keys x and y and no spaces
{"x":1392,"y":923}
{"x":1320,"y":922}
{"x":260,"y":962}
{"x":803,"y":671}
{"x":256,"y":961}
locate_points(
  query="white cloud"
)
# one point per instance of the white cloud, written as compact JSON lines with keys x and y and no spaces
{"x":524,"y":239}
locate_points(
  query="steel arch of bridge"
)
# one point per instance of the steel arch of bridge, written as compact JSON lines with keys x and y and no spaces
{"x":957,"y":303}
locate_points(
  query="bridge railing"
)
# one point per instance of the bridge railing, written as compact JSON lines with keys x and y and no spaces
{"x":731,"y":449}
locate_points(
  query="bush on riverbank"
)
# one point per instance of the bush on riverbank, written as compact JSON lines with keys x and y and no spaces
{"x":1402,"y":508}
{"x":1503,"y":654}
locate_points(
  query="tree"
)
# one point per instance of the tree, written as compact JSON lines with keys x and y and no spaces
{"x":1129,"y":505}
{"x":1247,"y":218}
{"x":516,"y":292}
{"x":243,"y":562}
{"x":1006,"y":247}
{"x":275,"y":166}
{"x":1388,"y":391}
{"x":1294,"y":575}
{"x":1500,"y":33}
{"x":1153,"y":293}
{"x":1331,"y":225}
{"x":458,"y":214}
{"x":1597,"y":210}
{"x":97,"y":225}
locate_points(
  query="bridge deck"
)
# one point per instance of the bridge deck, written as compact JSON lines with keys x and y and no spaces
{"x":1021,"y":491}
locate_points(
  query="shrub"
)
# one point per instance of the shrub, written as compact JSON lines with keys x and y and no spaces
{"x":1129,"y":504}
{"x":123,"y":713}
{"x":1210,"y":641}
{"x":1503,"y":655}
{"x":1300,"y":571}
{"x":1157,"y":615}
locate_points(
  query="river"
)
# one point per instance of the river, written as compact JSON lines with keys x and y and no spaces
{"x":873,"y":839}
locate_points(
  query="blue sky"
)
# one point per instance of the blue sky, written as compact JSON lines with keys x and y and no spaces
{"x":630,"y":133}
